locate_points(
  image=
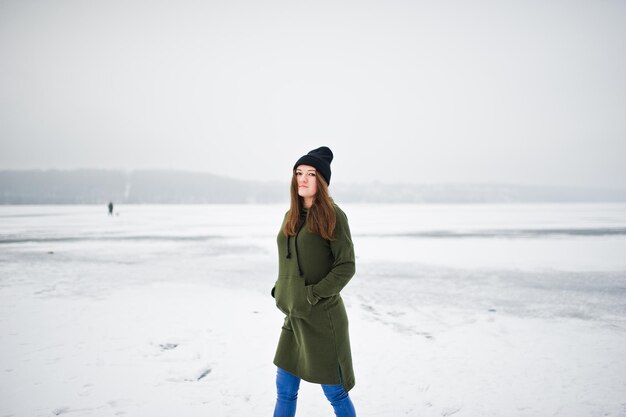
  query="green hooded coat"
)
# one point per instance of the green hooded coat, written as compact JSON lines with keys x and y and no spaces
{"x":314,"y":343}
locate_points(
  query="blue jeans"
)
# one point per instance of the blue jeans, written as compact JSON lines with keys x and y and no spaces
{"x":287,"y":386}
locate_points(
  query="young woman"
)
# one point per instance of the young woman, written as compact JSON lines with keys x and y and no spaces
{"x":315,"y":261}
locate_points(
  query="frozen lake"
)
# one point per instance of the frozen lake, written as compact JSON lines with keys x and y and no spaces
{"x":471,"y":310}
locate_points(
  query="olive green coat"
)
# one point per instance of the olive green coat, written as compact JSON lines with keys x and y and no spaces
{"x":314,"y":342}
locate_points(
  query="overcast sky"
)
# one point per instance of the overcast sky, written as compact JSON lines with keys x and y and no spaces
{"x":529,"y":92}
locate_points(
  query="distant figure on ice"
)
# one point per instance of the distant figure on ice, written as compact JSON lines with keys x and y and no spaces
{"x":316,"y":260}
{"x":110,"y":208}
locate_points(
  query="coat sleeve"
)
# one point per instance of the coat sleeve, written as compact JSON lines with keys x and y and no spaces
{"x":282,"y":225}
{"x":343,"y":266}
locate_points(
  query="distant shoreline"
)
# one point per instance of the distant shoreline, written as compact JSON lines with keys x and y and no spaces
{"x":93,"y":186}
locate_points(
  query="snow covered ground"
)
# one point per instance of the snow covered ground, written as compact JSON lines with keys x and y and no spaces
{"x":464,"y":310}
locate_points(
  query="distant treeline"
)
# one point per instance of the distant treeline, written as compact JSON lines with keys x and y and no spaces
{"x":90,"y":186}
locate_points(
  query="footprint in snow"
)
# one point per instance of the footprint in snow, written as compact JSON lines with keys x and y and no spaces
{"x":60,"y":410}
{"x":168,"y":346}
{"x":204,"y":372}
{"x":369,"y":309}
{"x":449,"y":411}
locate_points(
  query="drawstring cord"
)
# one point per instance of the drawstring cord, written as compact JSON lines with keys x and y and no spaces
{"x":296,"y":245}
{"x":295,"y":240}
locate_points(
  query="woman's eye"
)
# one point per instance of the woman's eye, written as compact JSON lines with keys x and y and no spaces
{"x":312,"y":174}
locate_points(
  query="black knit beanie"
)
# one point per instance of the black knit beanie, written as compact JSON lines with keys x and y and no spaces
{"x":320,"y":159}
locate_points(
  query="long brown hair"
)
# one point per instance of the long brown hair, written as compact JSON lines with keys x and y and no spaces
{"x":321,"y":216}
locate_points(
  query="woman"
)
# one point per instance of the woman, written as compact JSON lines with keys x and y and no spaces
{"x":315,"y":261}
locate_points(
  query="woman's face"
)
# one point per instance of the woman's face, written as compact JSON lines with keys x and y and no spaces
{"x":306,"y":178}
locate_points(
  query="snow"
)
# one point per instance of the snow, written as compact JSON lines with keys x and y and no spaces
{"x":165,"y":310}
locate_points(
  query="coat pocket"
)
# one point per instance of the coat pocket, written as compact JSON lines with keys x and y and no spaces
{"x":290,"y":297}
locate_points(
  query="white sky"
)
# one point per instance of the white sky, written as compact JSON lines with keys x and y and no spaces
{"x":530,"y":92}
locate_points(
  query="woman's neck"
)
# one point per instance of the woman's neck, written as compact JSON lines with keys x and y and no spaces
{"x":308,"y":202}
